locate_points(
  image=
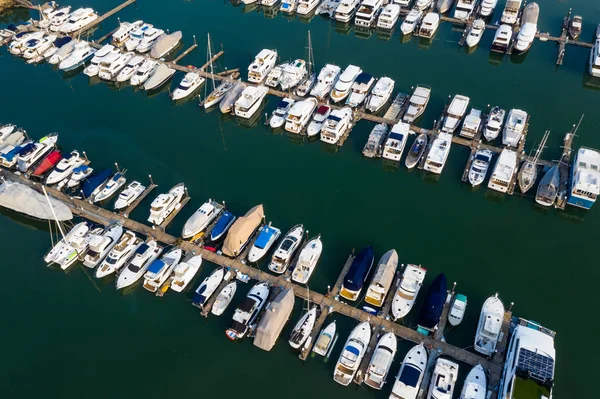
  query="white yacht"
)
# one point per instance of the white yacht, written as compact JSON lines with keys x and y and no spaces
{"x":475,"y":385}
{"x":245,"y":315}
{"x":502,"y":39}
{"x":336,"y":125}
{"x":307,"y":260}
{"x":293,"y":74}
{"x":64,"y":168}
{"x":417,"y":103}
{"x":266,"y":238}
{"x":160,"y":270}
{"x":299,"y":115}
{"x":305,"y":7}
{"x":504,"y":170}
{"x":475,"y":33}
{"x":303,"y":328}
{"x":151,"y":36}
{"x":101,"y":244}
{"x":360,"y":89}
{"x":184,"y":272}
{"x":514,"y":127}
{"x":471,"y":124}
{"x":352,"y":354}
{"x":208,"y":287}
{"x":120,"y":37}
{"x":396,"y":141}
{"x":389,"y":16}
{"x":79,"y":19}
{"x":408,"y":289}
{"x":346,"y":10}
{"x":19,"y":43}
{"x":422,"y":4}
{"x":595,"y":59}
{"x":164,"y":44}
{"x":510,"y":15}
{"x":130,"y":194}
{"x":494,"y":123}
{"x":374,"y":145}
{"x":410,"y":376}
{"x":49,"y":15}
{"x":35,"y":53}
{"x":528,"y":29}
{"x":380,"y":95}
{"x":443,"y":380}
{"x":584,"y":185}
{"x":285,"y":250}
{"x":530,"y":362}
{"x":130,"y":69}
{"x":277,"y":119}
{"x":288,"y":6}
{"x":165,"y":204}
{"x":274,"y":76}
{"x":111,"y":65}
{"x":250,"y":101}
{"x":367,"y":13}
{"x":457,"y":310}
{"x":79,"y":174}
{"x":411,"y":21}
{"x":161,"y":75}
{"x":94,"y":67}
{"x":489,"y":326}
{"x":224,"y":299}
{"x":344,"y":84}
{"x":429,"y":25}
{"x":188,"y":85}
{"x":325,"y":339}
{"x":464,"y":9}
{"x":59,"y":20}
{"x":144,"y":255}
{"x":455,"y":113}
{"x":31,"y":154}
{"x":136,"y":36}
{"x":200,"y":219}
{"x":58,"y":252}
{"x":82,"y":52}
{"x":319,"y":117}
{"x":119,"y":255}
{"x":438,"y":153}
{"x":143,"y":73}
{"x":107,"y":190}
{"x":263,"y":63}
{"x":381,"y":360}
{"x":487,"y":7}
{"x":326,"y":79}
{"x":480,"y":166}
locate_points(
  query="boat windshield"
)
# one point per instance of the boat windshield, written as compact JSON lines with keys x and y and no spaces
{"x":111,"y":261}
{"x":287,"y":244}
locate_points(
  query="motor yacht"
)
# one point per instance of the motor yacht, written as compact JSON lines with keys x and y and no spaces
{"x":443,"y":380}
{"x":82,"y":52}
{"x":289,"y":6}
{"x":56,"y":46}
{"x":407,"y":291}
{"x":101,"y":244}
{"x":303,"y":328}
{"x":381,"y":360}
{"x":161,"y":75}
{"x":575,"y":26}
{"x":357,"y":274}
{"x":584,"y":184}
{"x":487,"y":7}
{"x":245,"y":315}
{"x":49,"y":15}
{"x":383,"y":278}
{"x":411,"y":21}
{"x":514,"y":127}
{"x":455,"y":113}
{"x":307,"y":260}
{"x":286,"y":249}
{"x":143,"y":257}
{"x":352,"y":354}
{"x":144,"y":72}
{"x":505,"y":168}
{"x":480,"y":166}
{"x":344,"y":84}
{"x":380,"y":95}
{"x":165,"y":204}
{"x":201,"y":219}
{"x":319,"y":117}
{"x":224,"y":299}
{"x":58,"y":252}
{"x":160,"y":270}
{"x":410,"y":376}
{"x":429,"y":25}
{"x":367,"y":13}
{"x":299,"y":115}
{"x":489,"y":326}
{"x":94,"y":67}
{"x":164,"y":44}
{"x":266,"y":238}
{"x":326,"y":79}
{"x":305,"y":7}
{"x":471,"y":124}
{"x":63,"y":52}
{"x":79,"y":19}
{"x":475,"y":33}
{"x":360,"y":89}
{"x":346,"y":10}
{"x":250,"y":101}
{"x":112,"y":64}
{"x":396,"y":141}
{"x":35,"y":53}
{"x":389,"y":16}
{"x":374,"y":145}
{"x":417,"y":103}
{"x":464,"y":9}
{"x":277,"y":119}
{"x":80,"y":173}
{"x":263,"y":63}
{"x":502,"y":38}
{"x":274,"y":76}
{"x":122,"y":35}
{"x":293,"y":74}
{"x":423,"y":4}
{"x":494,"y":123}
{"x":151,"y":36}
{"x":130,"y":69}
{"x":337,"y":124}
{"x":188,"y":85}
{"x":475,"y":385}
{"x":528,"y":29}
{"x":184,"y":272}
{"x":594,"y":67}
{"x":510,"y":15}
{"x":136,"y":36}
{"x":129,"y":195}
{"x":438,"y":153}
{"x":31,"y":154}
{"x":110,"y":188}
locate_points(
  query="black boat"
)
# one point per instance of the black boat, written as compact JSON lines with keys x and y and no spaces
{"x":432,"y":308}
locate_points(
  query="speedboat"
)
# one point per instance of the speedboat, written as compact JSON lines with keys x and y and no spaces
{"x":325,"y":339}
{"x":119,"y":255}
{"x":224,"y":299}
{"x":164,"y":44}
{"x":285,"y":250}
{"x":5,"y":131}
{"x":410,"y":376}
{"x":303,"y":328}
{"x":184,"y":272}
{"x":381,"y":360}
{"x":475,"y":33}
{"x":130,"y":69}
{"x":502,"y":38}
{"x":479,"y":166}
{"x":489,"y":326}
{"x":464,"y":9}
{"x":200,"y":219}
{"x":222,"y":226}
{"x":208,"y":287}
{"x":471,"y":124}
{"x":298,"y":116}
{"x":417,"y":103}
{"x":101,"y":244}
{"x":494,"y":123}
{"x":307,"y":260}
{"x":326,"y":79}
{"x":34,"y":152}
{"x":22,"y":40}
{"x":78,"y":233}
{"x":429,"y":25}
{"x":431,"y":310}
{"x":92,"y":184}
{"x":47,"y":163}
{"x":417,"y":149}
{"x":367,"y":13}
{"x":383,"y":278}
{"x":218,"y":94}
{"x":411,"y":21}
{"x":162,"y":74}
{"x":336,"y":125}
{"x":130,"y":194}
{"x":374,"y":145}
{"x":136,"y":36}
{"x":528,"y":29}
{"x":94,"y":67}
{"x":389,"y":16}
{"x":263,"y":63}
{"x":456,"y":111}
{"x":165,"y":204}
{"x":344,"y":84}
{"x":293,"y":74}
{"x":266,"y":238}
{"x":109,"y":189}
{"x":143,"y":73}
{"x":475,"y":385}
{"x":10,"y":153}
{"x":144,"y":255}
{"x":382,"y":91}
{"x":585,"y":178}
{"x":360,"y":89}
{"x":396,"y":141}
{"x":79,"y":19}
{"x":487,"y":7}
{"x":319,"y":117}
{"x":151,"y":36}
{"x":80,"y":173}
{"x":408,"y":289}
{"x":352,"y":354}
{"x":438,"y":153}
{"x":357,"y":275}
{"x":514,"y":127}
{"x":159,"y":271}
{"x":250,"y":101}
{"x":457,"y":310}
{"x":443,"y":380}
{"x":36,"y":53}
{"x":278,"y":116}
{"x":122,"y":35}
{"x":82,"y":53}
{"x":510,"y":15}
{"x":189,"y":84}
{"x":245,"y":315}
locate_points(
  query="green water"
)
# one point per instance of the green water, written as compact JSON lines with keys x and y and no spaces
{"x":70,"y":336}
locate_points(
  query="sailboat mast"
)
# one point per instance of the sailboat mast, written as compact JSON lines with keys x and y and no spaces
{"x":212,"y":72}
{"x":53,"y":213}
{"x":310,"y":55}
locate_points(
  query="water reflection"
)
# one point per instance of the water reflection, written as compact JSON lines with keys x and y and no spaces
{"x":385,"y":34}
{"x":496,"y":58}
{"x":248,"y":8}
{"x":343,"y":28}
{"x":390,"y":166}
{"x":363,"y":33}
{"x":270,"y":12}
{"x":24,"y":220}
{"x":496,"y":196}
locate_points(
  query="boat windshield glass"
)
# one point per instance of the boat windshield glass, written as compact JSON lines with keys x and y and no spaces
{"x":287,"y":244}
{"x":111,"y":261}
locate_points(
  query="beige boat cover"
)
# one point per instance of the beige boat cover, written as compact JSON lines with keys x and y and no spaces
{"x":241,"y":230}
{"x":22,"y":199}
{"x":276,"y":315}
{"x":386,"y":270}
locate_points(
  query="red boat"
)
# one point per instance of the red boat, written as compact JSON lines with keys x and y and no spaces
{"x":49,"y":162}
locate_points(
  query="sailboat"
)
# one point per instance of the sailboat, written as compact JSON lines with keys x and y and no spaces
{"x":307,"y":84}
{"x":528,"y":173}
{"x":548,"y":188}
{"x":218,"y":92}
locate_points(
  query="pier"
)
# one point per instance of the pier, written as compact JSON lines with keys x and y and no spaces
{"x":139,"y":199}
{"x":169,"y":219}
{"x":103,"y":17}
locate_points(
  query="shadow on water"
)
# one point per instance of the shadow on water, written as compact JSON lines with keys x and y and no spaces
{"x":343,"y":28}
{"x":431,"y":178}
{"x":496,"y":58}
{"x":362,"y":32}
{"x":270,"y":12}
{"x":405,"y":38}
{"x":390,"y":165}
{"x":385,"y":34}
{"x":25,"y":221}
{"x":14,"y":16}
{"x":496,"y":196}
{"x":295,"y":139}
{"x":518,"y":58}
{"x":305,"y":19}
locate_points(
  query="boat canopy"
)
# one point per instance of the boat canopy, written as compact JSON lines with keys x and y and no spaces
{"x":241,"y":230}
{"x":276,"y":315}
{"x":23,"y":199}
{"x":434,"y":303}
{"x":396,"y":136}
{"x":322,"y":110}
{"x":359,"y":270}
{"x":156,"y":266}
{"x":410,"y":376}
{"x":264,"y":237}
{"x":363,"y":78}
{"x":386,"y":269}
{"x":92,"y":182}
{"x":164,"y":44}
{"x":62,"y":41}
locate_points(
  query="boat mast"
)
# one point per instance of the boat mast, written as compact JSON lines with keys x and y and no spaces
{"x":541,"y":147}
{"x":311,"y":59}
{"x":212,"y":76}
{"x":62,"y":233}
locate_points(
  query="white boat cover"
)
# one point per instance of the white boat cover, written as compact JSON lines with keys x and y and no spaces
{"x":241,"y":230}
{"x":164,"y":44}
{"x":22,"y":199}
{"x":276,"y":315}
{"x":531,"y":14}
{"x":386,"y":269}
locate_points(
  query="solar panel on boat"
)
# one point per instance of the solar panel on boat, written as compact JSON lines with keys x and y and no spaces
{"x":538,"y":366}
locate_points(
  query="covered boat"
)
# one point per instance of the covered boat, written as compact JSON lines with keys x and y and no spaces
{"x":23,"y":199}
{"x":432,"y":308}
{"x":276,"y":316}
{"x":547,"y":190}
{"x":47,"y":163}
{"x":94,"y":181}
{"x":357,"y":274}
{"x":383,"y":278}
{"x":165,"y":44}
{"x":241,"y":231}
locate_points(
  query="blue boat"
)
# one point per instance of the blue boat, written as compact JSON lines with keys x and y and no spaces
{"x":265,"y":240}
{"x":58,"y":43}
{"x":10,"y":158}
{"x":432,"y":308}
{"x":223,"y":224}
{"x":94,"y":181}
{"x":357,"y":274}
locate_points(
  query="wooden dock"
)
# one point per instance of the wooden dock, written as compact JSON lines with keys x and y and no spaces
{"x":169,"y":219}
{"x":139,"y":199}
{"x":185,"y":53}
{"x":103,"y":17}
{"x":109,"y":34}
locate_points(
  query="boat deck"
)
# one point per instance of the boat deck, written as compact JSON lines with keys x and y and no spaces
{"x":139,"y":199}
{"x":103,"y":17}
{"x":169,"y":219}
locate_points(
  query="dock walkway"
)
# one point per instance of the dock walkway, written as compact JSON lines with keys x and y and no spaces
{"x":103,"y":17}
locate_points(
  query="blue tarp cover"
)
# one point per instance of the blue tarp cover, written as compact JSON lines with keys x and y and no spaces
{"x":359,"y":270}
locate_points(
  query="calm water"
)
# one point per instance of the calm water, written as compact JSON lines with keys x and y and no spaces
{"x":72,"y":336}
